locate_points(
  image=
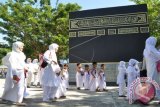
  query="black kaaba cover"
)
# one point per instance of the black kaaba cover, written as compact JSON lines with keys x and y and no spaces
{"x":108,"y":34}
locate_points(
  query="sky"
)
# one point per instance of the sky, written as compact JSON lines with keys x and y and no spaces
{"x":89,"y":4}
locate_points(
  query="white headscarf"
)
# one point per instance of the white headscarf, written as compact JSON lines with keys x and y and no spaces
{"x":29,"y":60}
{"x":35,"y":61}
{"x":51,"y":53}
{"x":122,"y":64}
{"x":53,"y":47}
{"x":133,"y":62}
{"x":151,"y":41}
{"x":15,"y":51}
{"x":16,"y":46}
{"x":150,"y":46}
{"x":121,"y":73}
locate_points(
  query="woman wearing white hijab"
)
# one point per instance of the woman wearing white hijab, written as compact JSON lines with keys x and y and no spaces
{"x":152,"y":55}
{"x":132,"y":73}
{"x":121,"y":78}
{"x":50,"y":81}
{"x":15,"y":78}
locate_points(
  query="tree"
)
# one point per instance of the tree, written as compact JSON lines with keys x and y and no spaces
{"x":153,"y":15}
{"x":4,"y":49}
{"x":36,"y":24}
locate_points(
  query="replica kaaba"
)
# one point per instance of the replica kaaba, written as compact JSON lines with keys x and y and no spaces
{"x":108,"y":34}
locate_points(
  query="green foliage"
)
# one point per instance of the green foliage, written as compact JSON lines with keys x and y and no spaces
{"x":3,"y":52}
{"x":153,"y":16}
{"x":36,"y":24}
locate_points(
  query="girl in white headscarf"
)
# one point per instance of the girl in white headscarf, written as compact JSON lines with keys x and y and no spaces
{"x":121,"y":78}
{"x":15,"y":79}
{"x":132,"y":73}
{"x":29,"y":74}
{"x":50,"y":81}
{"x":35,"y":72}
{"x":152,"y":55}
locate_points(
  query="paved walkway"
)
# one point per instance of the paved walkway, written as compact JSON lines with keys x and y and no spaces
{"x":78,"y":98}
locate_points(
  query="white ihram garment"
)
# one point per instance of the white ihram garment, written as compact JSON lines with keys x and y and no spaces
{"x":93,"y":80}
{"x":61,"y":91}
{"x":86,"y":79}
{"x":101,"y":81}
{"x":79,"y":79}
{"x":66,"y":78}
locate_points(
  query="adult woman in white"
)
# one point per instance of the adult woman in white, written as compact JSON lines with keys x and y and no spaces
{"x":15,"y":78}
{"x":152,"y":55}
{"x":50,"y":81}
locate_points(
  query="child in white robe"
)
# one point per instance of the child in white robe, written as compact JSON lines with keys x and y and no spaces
{"x":35,"y":72}
{"x":121,"y":78}
{"x":102,"y":79}
{"x":86,"y":77}
{"x":29,"y":74}
{"x":79,"y":76}
{"x":132,"y":74}
{"x":61,"y":91}
{"x":94,"y":78}
{"x":65,"y":75}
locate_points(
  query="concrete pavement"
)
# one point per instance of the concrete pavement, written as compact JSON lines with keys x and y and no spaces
{"x":78,"y":98}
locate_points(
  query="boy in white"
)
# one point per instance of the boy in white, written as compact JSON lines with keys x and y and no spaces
{"x":121,"y":78}
{"x":79,"y":76}
{"x":61,"y":92}
{"x":94,"y":78}
{"x":102,"y":79}
{"x":65,"y":75}
{"x":86,"y":77}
